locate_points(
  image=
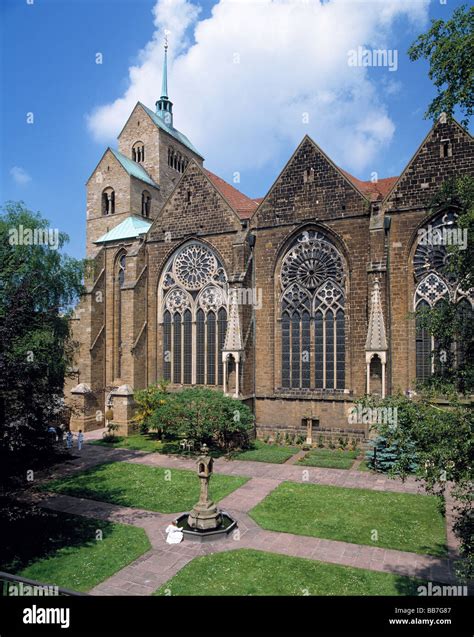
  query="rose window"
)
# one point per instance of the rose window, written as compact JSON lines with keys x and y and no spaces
{"x":194,"y":266}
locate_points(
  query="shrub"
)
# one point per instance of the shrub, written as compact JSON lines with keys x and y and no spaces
{"x":200,"y":415}
{"x":110,"y":435}
{"x":439,"y":440}
{"x":384,"y":456}
{"x":320,"y":441}
{"x":148,"y":401}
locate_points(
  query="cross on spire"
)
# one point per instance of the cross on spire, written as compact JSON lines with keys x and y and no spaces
{"x":164,"y":107}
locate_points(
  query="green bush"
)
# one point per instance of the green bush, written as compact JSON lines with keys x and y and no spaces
{"x":384,"y":456}
{"x":198,"y":415}
{"x":438,"y":440}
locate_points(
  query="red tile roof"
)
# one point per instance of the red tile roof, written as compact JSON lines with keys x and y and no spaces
{"x":375,"y":191}
{"x":243,"y":205}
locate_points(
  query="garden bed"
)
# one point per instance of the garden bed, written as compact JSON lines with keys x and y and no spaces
{"x":329,"y":458}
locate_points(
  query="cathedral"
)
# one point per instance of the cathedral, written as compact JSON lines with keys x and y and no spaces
{"x":297,"y":303}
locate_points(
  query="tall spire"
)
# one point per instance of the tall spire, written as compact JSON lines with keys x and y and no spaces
{"x":164,"y":79}
{"x":164,"y":107}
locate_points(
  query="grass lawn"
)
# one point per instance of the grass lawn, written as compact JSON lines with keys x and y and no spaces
{"x":250,"y":572}
{"x":363,"y":466}
{"x":143,"y":487}
{"x":262,"y":452}
{"x":403,"y":521}
{"x":137,"y":442}
{"x":329,"y":458}
{"x":64,"y":550}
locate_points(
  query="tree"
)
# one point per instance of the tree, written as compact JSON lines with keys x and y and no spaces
{"x":38,"y":285}
{"x":200,"y":415}
{"x":439,"y":440}
{"x":449,"y":47}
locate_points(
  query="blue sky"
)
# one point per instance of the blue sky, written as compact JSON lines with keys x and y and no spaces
{"x":49,"y":69}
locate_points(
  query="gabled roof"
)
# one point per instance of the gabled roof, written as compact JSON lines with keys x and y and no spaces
{"x":374,"y":191}
{"x":130,"y":228}
{"x":174,"y":132}
{"x":243,"y":205}
{"x":134,"y":169}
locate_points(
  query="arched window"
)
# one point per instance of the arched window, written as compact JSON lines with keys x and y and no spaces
{"x":108,"y":201}
{"x":193,"y":313}
{"x":312,"y":314}
{"x":138,"y":152}
{"x":434,"y":284}
{"x":120,"y":269}
{"x":176,"y":160}
{"x":146,"y":203}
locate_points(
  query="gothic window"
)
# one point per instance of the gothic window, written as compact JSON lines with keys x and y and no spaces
{"x":312,"y":314}
{"x":146,"y":203}
{"x":434,"y":283}
{"x":138,"y":152}
{"x":193,"y":311}
{"x":108,"y":201}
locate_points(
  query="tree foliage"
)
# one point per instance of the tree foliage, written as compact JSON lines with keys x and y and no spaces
{"x":38,"y":284}
{"x":449,"y":48}
{"x":435,"y":441}
{"x":199,"y":415}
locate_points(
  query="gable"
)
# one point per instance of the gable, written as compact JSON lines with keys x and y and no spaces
{"x":194,"y":207}
{"x":310,"y":187}
{"x":428,"y":168}
{"x":107,"y":157}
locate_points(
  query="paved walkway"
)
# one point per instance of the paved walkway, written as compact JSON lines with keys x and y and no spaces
{"x":150,"y":571}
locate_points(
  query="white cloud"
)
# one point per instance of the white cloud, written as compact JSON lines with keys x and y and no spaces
{"x":250,"y":80}
{"x":20,"y":176}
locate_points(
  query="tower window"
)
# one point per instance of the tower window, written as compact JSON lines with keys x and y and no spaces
{"x":146,"y":203}
{"x":138,"y":152}
{"x":445,"y":149}
{"x":108,"y":201}
{"x":176,"y":160}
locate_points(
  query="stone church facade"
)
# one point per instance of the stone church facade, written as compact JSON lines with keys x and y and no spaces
{"x":297,"y":303}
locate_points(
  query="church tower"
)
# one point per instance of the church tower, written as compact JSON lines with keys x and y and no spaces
{"x":130,"y":185}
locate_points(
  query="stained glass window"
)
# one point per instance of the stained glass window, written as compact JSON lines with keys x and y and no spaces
{"x":193,"y":291}
{"x":312,"y":314}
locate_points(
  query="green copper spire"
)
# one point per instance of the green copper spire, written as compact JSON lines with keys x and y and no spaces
{"x":164,"y":80}
{"x":164,"y":107}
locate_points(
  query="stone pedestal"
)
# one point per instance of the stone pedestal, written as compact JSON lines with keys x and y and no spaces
{"x":85,"y":414}
{"x":205,"y":515}
{"x":123,"y":407}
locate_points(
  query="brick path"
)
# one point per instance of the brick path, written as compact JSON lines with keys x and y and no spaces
{"x":154,"y":568}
